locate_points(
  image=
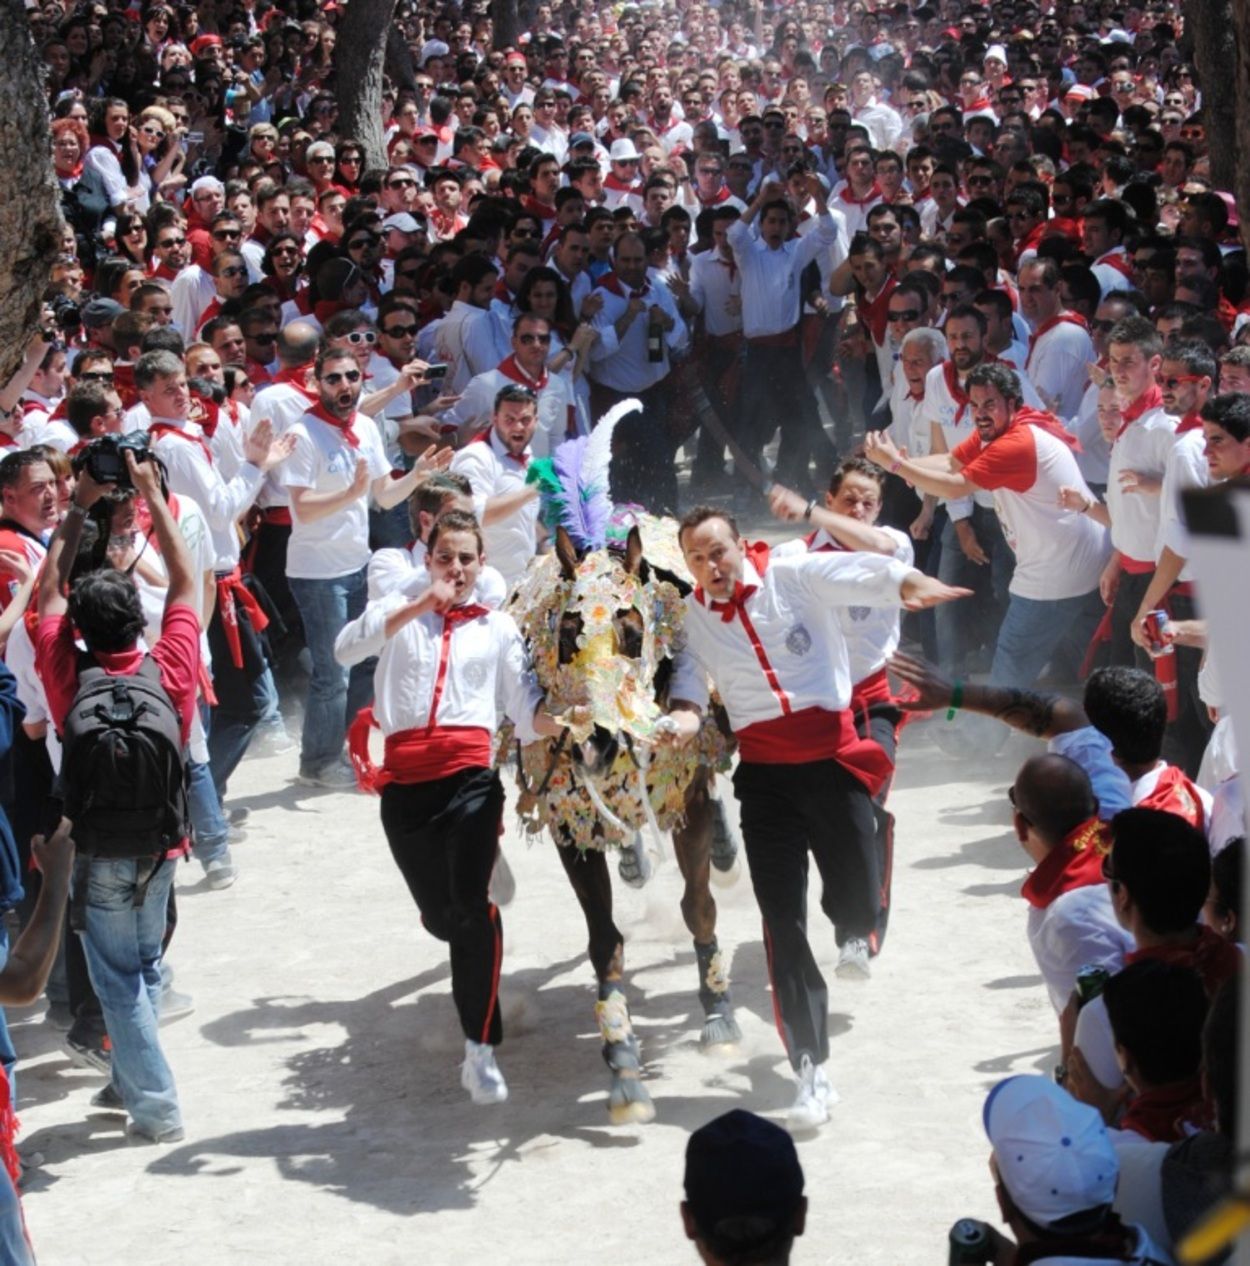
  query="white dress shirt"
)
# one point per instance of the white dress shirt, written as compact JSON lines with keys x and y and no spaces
{"x":491,"y":470}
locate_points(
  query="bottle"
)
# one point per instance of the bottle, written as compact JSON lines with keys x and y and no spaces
{"x":970,"y":1243}
{"x":655,"y":339}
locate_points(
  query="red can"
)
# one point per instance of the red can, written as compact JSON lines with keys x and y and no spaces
{"x":1156,"y":625}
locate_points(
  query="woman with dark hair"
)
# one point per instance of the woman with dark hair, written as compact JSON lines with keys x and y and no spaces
{"x":283,"y":266}
{"x":349,"y":163}
{"x":544,"y":293}
{"x":131,"y":238}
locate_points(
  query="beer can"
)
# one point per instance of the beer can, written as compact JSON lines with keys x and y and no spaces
{"x":1156,"y":625}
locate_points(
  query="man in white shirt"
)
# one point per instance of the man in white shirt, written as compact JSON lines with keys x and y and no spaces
{"x":1060,"y":350}
{"x":640,"y":330}
{"x":242,"y":679}
{"x":473,"y":279}
{"x":526,"y":365}
{"x":495,"y":464}
{"x":1023,"y":457}
{"x":338,"y":461}
{"x":774,"y":388}
{"x":1139,"y":458}
{"x":884,"y":124}
{"x":768,"y":638}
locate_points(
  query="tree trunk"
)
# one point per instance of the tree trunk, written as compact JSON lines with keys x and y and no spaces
{"x":30,"y":210}
{"x":507,"y":23}
{"x":360,"y":54}
{"x":1207,"y":25}
{"x":1239,"y":90}
{"x":399,"y":66}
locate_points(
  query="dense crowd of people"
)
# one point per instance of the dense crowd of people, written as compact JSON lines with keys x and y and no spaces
{"x":947,"y":284}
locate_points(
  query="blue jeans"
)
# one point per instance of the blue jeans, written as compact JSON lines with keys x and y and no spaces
{"x":231,"y":732}
{"x":8,"y":1056}
{"x":334,"y":694}
{"x":1035,"y":632}
{"x":209,"y":832}
{"x":122,"y":943}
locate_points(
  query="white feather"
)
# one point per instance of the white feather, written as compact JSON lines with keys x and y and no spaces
{"x":598,"y":455}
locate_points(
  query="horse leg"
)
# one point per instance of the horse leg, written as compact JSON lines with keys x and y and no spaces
{"x":628,"y":1099}
{"x":692,"y":842}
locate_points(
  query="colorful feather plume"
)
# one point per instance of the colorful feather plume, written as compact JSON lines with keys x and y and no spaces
{"x":574,"y":483}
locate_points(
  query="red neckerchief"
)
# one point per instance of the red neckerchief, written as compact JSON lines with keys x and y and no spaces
{"x":510,"y":369}
{"x":1029,"y":242}
{"x":950,"y":376}
{"x":485,"y":437}
{"x":157,"y":429}
{"x":981,"y":103}
{"x":205,"y":414}
{"x":722,"y":195}
{"x":876,"y":311}
{"x":613,"y":181}
{"x":503,"y":294}
{"x":610,"y":281}
{"x":1166,"y":1113}
{"x":470,"y":611}
{"x":7,"y":441}
{"x":1190,"y":422}
{"x":1148,"y":400}
{"x":297,"y":377}
{"x":1076,"y":862}
{"x":544,"y":210}
{"x":1175,"y":793}
{"x":729,"y":263}
{"x":1209,"y":954}
{"x":1117,"y":259}
{"x":323,"y":232}
{"x":75,"y":173}
{"x":1046,"y":422}
{"x":324,"y":309}
{"x":757,"y":554}
{"x":1060,"y":318}
{"x":163,"y":271}
{"x":343,"y":427}
{"x":851,"y":200}
{"x":208,"y":314}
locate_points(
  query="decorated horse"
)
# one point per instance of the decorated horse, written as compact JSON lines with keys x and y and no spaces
{"x":603,"y":617}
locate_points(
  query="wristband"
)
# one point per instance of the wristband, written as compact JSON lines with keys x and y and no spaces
{"x":811,"y":505}
{"x":896,"y":465}
{"x":957,"y":698}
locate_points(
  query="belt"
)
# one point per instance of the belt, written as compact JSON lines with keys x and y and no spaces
{"x":278,"y":515}
{"x":787,"y":338}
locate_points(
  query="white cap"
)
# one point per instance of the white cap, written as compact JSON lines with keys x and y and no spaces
{"x":995,"y":52}
{"x":1053,"y":1153}
{"x":433,"y":48}
{"x":623,"y":151}
{"x":1097,"y":1043}
{"x":402,"y":222}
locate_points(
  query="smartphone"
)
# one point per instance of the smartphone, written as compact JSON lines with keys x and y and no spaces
{"x":435,"y":371}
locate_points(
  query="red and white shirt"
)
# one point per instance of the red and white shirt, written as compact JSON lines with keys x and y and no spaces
{"x":784,"y":653}
{"x":1059,"y":553}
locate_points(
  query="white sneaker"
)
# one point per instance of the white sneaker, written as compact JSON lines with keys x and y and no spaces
{"x":853,"y":960}
{"x":221,"y":872}
{"x":502,"y":886}
{"x":815,"y":1097}
{"x":480,"y":1075}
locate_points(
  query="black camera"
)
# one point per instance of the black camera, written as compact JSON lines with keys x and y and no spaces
{"x":66,"y":313}
{"x":104,"y":459}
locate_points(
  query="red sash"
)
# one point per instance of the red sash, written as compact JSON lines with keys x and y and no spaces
{"x":232,"y":594}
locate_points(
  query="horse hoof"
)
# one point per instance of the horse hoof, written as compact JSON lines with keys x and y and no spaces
{"x":629,"y":1103}
{"x":634,"y":865}
{"x":721,"y":1035}
{"x":729,"y":876}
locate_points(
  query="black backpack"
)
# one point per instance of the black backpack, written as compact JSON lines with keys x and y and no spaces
{"x":123,"y":769}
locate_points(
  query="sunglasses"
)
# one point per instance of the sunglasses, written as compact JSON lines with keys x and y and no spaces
{"x":235,"y":270}
{"x":265,"y":336}
{"x":400,"y":331}
{"x":1102,"y":327}
{"x":980,"y":180}
{"x":528,"y":340}
{"x":357,"y":337}
{"x":1172,"y":383}
{"x":349,"y":375}
{"x":349,"y":161}
{"x":403,"y":183}
{"x":227,"y":235}
{"x":322,"y":158}
{"x":153,"y":132}
{"x":170,"y":242}
{"x":362,"y":243}
{"x":907,"y":314}
{"x":97,"y":375}
{"x":134,"y":228}
{"x":286,"y":250}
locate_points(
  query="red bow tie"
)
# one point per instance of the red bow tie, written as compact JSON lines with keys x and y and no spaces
{"x":730,"y":608}
{"x":470,"y":611}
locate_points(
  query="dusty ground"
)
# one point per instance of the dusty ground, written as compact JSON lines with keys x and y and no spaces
{"x":318,"y":1075}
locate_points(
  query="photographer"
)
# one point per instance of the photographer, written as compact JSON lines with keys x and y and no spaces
{"x":122,"y":901}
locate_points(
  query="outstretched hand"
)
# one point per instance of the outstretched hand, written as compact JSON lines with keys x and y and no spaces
{"x":920,"y":592}
{"x":933,"y":689}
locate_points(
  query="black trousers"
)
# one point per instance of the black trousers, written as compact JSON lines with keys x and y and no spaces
{"x":266,"y":559}
{"x":879,"y":722}
{"x":1187,"y":736}
{"x":1125,"y":653}
{"x":787,"y":812}
{"x":643,"y":453}
{"x":775,"y":394}
{"x":444,"y":836}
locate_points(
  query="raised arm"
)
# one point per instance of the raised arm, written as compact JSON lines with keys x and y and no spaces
{"x":184,"y":582}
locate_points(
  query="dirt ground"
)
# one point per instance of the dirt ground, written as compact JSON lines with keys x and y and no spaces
{"x":319,"y":1072}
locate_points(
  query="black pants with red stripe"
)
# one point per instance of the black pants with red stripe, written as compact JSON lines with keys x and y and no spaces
{"x":444,"y":836}
{"x":787,"y":812}
{"x":879,"y":722}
